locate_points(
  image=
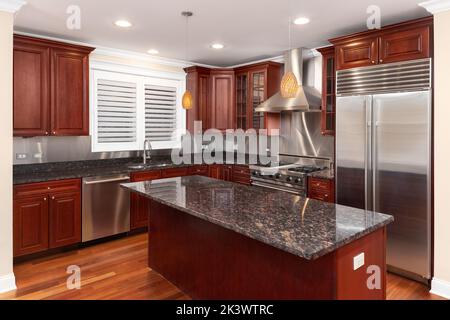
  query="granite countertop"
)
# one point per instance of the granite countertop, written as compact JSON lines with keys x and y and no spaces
{"x":303,"y":227}
{"x":33,"y":173}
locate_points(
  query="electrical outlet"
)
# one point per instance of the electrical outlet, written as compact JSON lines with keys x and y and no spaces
{"x":358,"y":261}
{"x":21,"y":156}
{"x":37,"y":156}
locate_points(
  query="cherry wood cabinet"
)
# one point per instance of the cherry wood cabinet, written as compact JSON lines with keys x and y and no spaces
{"x":321,"y":189}
{"x":69,"y":92}
{"x":139,"y":208}
{"x":222,"y":100}
{"x":227,"y":172}
{"x":358,"y":53}
{"x":51,"y":88}
{"x":31,"y":89}
{"x":254,"y":85}
{"x":399,"y":42}
{"x":241,"y":174}
{"x":30,"y":225}
{"x":198,"y":170}
{"x":46,"y":215}
{"x":65,"y":219}
{"x":198,"y":83}
{"x":226,"y":98}
{"x":174,"y":172}
{"x":409,"y":44}
{"x":215,"y":171}
{"x":328,"y":90}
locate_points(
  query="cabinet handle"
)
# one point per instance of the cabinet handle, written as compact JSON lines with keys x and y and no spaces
{"x":54,"y":132}
{"x":48,"y":188}
{"x":381,"y":60}
{"x":46,"y":133}
{"x":53,"y":198}
{"x":45,"y":199}
{"x":373,"y":61}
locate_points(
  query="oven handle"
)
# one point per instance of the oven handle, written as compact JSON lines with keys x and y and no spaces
{"x":260,"y":184}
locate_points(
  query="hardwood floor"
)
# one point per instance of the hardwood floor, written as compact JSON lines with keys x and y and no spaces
{"x":118,"y":270}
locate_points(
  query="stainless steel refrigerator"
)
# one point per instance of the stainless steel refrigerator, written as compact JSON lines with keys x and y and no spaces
{"x":383,"y":155}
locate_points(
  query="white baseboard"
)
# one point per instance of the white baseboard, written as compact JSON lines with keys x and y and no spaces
{"x":440,"y":288}
{"x":7,"y":283}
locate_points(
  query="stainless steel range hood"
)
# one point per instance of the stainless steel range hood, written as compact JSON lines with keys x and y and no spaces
{"x":306,"y":65}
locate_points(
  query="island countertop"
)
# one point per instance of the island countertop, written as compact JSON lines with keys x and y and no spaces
{"x":303,"y":227}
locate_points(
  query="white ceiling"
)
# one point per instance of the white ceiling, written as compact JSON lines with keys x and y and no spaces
{"x":250,"y":29}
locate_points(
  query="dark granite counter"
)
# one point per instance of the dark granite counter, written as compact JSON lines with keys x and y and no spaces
{"x":306,"y":228}
{"x":32,"y":173}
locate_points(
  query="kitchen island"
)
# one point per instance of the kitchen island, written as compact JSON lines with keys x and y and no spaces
{"x":220,"y":240}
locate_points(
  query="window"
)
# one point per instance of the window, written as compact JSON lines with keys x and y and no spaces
{"x":128,"y":108}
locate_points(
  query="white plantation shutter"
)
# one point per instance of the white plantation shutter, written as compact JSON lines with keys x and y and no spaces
{"x":116,"y":109}
{"x":127,"y":108}
{"x":160,"y":113}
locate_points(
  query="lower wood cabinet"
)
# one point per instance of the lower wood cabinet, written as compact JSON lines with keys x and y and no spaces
{"x":30,"y":225}
{"x":46,"y":215}
{"x":139,"y":207}
{"x":65,"y":219}
{"x":321,"y":189}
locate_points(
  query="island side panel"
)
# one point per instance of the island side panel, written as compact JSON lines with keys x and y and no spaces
{"x":359,"y":284}
{"x":207,"y":261}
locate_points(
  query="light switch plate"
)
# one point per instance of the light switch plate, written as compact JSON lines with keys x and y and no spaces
{"x":358,"y":261}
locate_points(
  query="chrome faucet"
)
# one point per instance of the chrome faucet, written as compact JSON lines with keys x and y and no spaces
{"x":147,"y":147}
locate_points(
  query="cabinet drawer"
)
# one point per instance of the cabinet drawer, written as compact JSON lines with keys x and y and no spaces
{"x":201,"y":170}
{"x":319,"y":185}
{"x":321,"y":189}
{"x":175,"y":172}
{"x":33,"y":189}
{"x":146,"y":176}
{"x":322,"y":196}
{"x":242,"y":170}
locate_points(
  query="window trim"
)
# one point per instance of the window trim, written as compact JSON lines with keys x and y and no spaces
{"x":141,"y":77}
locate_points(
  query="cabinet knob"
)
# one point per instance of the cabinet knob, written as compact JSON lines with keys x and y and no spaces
{"x":381,"y":60}
{"x":45,"y":199}
{"x":54,"y":132}
{"x":53,"y":198}
{"x":46,"y":133}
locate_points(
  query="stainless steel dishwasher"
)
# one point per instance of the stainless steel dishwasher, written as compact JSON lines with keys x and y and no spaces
{"x":106,"y":207}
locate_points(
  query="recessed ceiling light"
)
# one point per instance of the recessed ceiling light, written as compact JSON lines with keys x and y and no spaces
{"x":153,"y":51}
{"x":217,"y":46}
{"x":301,"y":20}
{"x":123,"y":23}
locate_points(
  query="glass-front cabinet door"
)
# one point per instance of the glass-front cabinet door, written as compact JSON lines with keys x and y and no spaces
{"x":242,"y":101}
{"x":258,"y":96}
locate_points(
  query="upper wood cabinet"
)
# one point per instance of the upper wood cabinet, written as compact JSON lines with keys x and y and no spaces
{"x":400,"y":42}
{"x":51,"y":88}
{"x":198,"y":83}
{"x":254,"y":85}
{"x":328,"y":90}
{"x":222,"y":100}
{"x":359,"y":53}
{"x":31,"y":89}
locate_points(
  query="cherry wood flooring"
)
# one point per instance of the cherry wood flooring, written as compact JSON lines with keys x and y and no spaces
{"x":118,"y":270}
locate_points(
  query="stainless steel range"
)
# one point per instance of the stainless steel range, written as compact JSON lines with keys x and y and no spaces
{"x":289,"y":175}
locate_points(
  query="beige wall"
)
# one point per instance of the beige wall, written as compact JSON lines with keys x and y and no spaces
{"x":442,"y":146}
{"x":6,"y":40}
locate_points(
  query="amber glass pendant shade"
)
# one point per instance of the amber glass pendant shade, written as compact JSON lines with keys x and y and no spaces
{"x":187,"y":100}
{"x":289,"y":86}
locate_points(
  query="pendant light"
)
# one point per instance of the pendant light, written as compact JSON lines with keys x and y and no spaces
{"x":187,"y":101}
{"x":289,"y":83}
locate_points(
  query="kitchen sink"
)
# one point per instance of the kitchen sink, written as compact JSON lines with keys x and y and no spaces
{"x":144,"y":166}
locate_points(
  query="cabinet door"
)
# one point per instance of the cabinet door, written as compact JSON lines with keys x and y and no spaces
{"x":222,"y":101}
{"x":30,"y":225}
{"x":242,"y":101}
{"x":359,"y":53}
{"x":69,"y":93}
{"x":227,"y":173}
{"x":405,"y":45}
{"x":258,"y":94}
{"x":174,"y":172}
{"x":215,"y":171}
{"x":328,"y":91}
{"x":140,"y":208}
{"x":31,"y":89}
{"x":65,"y":219}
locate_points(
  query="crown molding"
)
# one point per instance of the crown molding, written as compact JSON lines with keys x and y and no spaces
{"x":119,"y":53}
{"x":11,"y":6}
{"x":436,"y":6}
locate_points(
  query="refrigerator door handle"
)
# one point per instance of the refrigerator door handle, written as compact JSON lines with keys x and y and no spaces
{"x":375,"y":164}
{"x":368,"y":152}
